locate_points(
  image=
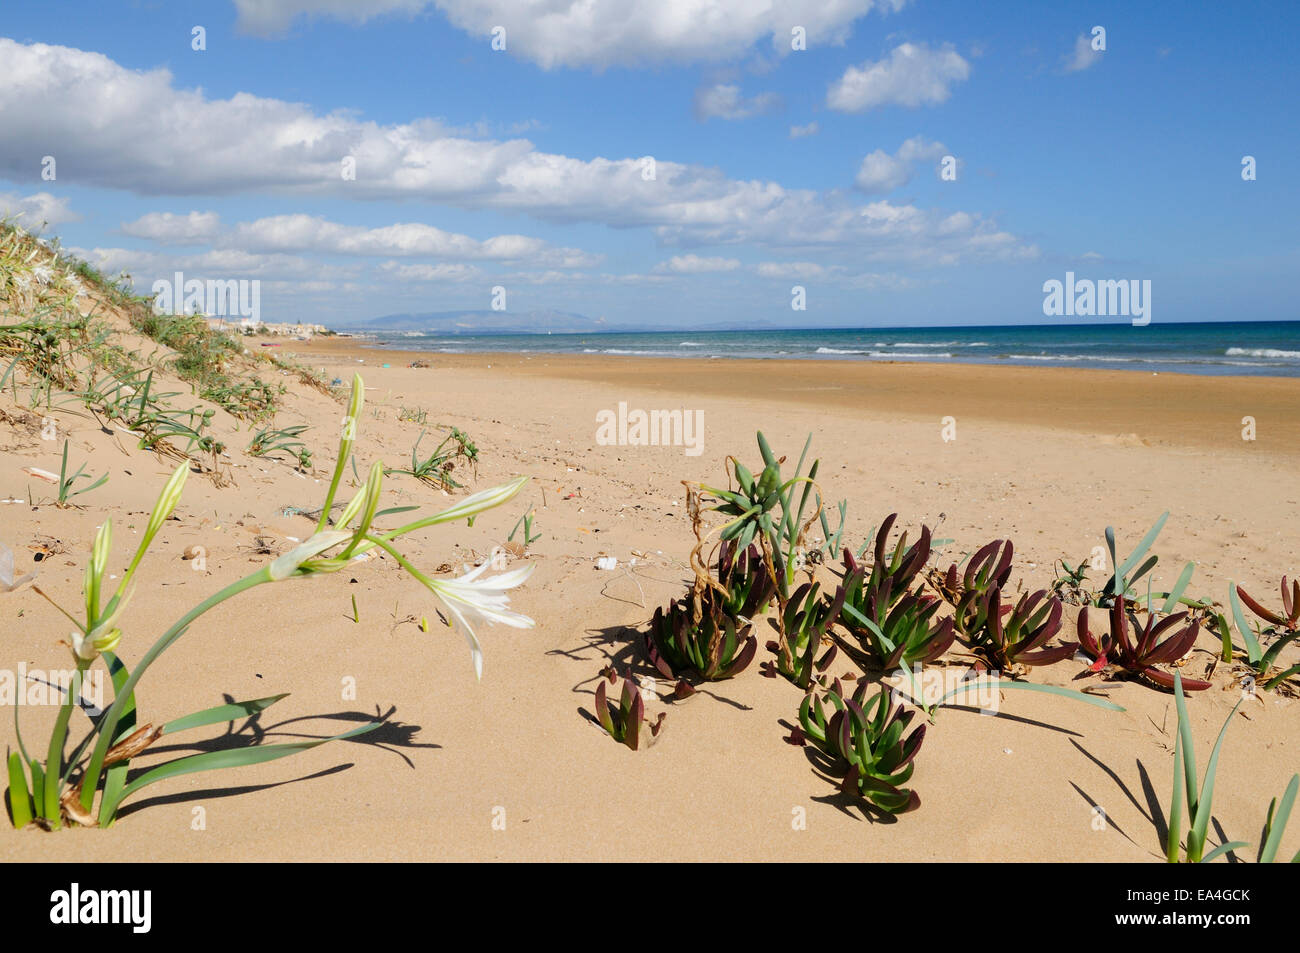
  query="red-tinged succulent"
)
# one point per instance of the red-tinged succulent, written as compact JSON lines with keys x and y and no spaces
{"x":807,"y":619}
{"x":1147,"y":646}
{"x":1008,"y":635}
{"x":750,"y":586}
{"x":892,"y":574}
{"x":1289,"y":619}
{"x":701,"y":638}
{"x":988,"y":569}
{"x":626,"y":721}
{"x":864,"y":745}
{"x":886,"y":637}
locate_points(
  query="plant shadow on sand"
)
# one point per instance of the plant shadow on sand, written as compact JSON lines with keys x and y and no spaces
{"x":619,"y":645}
{"x":1152,"y":813}
{"x":390,"y":736}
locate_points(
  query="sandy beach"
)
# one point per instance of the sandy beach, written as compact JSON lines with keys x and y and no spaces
{"x":510,"y":768}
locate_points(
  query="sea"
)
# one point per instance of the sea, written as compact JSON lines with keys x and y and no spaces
{"x":1263,"y":348}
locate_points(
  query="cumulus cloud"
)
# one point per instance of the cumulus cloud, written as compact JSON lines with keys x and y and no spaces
{"x":912,"y":75}
{"x":880,"y":172}
{"x":152,"y":139}
{"x":307,"y":233}
{"x":1083,"y":56}
{"x":696,"y":265}
{"x":168,"y":228}
{"x":799,"y":132}
{"x":724,"y":101}
{"x":604,"y":33}
{"x":33,"y":211}
{"x":443,"y":271}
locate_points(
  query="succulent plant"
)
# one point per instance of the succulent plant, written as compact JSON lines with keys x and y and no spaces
{"x":1285,"y":626}
{"x":899,"y":567}
{"x":624,"y":722}
{"x":1140,"y":656}
{"x":864,"y":745}
{"x":807,"y":619}
{"x":989,"y":568}
{"x":886,"y":637}
{"x":1290,"y":617}
{"x":699,"y":635}
{"x":1004,"y":636}
{"x":750,"y":586}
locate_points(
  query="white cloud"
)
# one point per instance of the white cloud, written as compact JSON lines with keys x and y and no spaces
{"x":1084,"y":55}
{"x":724,"y":101}
{"x":306,"y":233}
{"x":695,"y":265}
{"x":912,"y":75}
{"x":439,"y":272}
{"x":791,"y":269}
{"x":144,"y":266}
{"x":167,"y":228}
{"x":33,"y":211}
{"x":152,"y":139}
{"x":799,"y":132}
{"x":554,"y":33}
{"x":880,"y":172}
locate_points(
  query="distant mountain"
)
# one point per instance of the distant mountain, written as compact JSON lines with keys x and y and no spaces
{"x":483,"y":322}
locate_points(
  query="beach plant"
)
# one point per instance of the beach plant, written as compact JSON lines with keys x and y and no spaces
{"x":1275,"y":823}
{"x":763,"y":510}
{"x":806,"y":621}
{"x":1124,"y":575}
{"x":967,"y":591}
{"x":626,"y":721}
{"x":1199,"y":800}
{"x":698,"y":635}
{"x":526,"y":521}
{"x":1285,"y":626}
{"x":436,"y":468}
{"x":1155,"y":642}
{"x":1005,"y":636}
{"x":890,"y":631}
{"x":863,"y":744}
{"x":65,"y":787}
{"x":272,"y":440}
{"x":750,"y":587}
{"x":66,"y":492}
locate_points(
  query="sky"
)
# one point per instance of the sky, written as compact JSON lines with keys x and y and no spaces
{"x":669,"y":163}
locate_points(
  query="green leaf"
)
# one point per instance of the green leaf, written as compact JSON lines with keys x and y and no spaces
{"x":1274,"y":828}
{"x":20,"y":800}
{"x":215,"y":760}
{"x":1247,"y":633}
{"x":1179,"y":588}
{"x":1175,"y":805}
{"x":1142,"y":547}
{"x":1204,"y":803}
{"x":220,"y":713}
{"x":1034,"y":687}
{"x":1280,"y":678}
{"x":38,"y":783}
{"x":1223,"y":849}
{"x":1185,"y":735}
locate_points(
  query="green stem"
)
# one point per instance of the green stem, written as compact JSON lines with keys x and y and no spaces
{"x":54,"y":759}
{"x":108,"y":724}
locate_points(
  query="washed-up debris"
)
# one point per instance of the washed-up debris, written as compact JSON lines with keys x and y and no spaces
{"x":40,"y":474}
{"x":8,"y":583}
{"x":607,"y":562}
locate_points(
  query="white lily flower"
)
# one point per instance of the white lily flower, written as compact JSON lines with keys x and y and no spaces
{"x":471,"y":600}
{"x":282,"y":567}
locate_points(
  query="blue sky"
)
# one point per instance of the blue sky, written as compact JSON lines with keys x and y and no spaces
{"x":524,"y":168}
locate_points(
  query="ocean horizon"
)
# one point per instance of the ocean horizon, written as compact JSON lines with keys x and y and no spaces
{"x":1263,"y":348}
